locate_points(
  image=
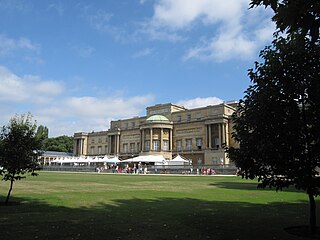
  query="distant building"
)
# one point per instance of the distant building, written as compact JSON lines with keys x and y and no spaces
{"x":48,"y":156}
{"x":199,"y":134}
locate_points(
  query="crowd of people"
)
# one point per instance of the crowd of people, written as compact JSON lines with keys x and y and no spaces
{"x":134,"y":169}
{"x":142,"y":168}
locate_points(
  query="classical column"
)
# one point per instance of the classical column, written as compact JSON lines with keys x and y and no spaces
{"x":161,"y":140}
{"x":170,"y":132}
{"x":81,"y":146}
{"x":78,"y":147}
{"x":223,"y":134}
{"x":227,"y":134}
{"x":142,"y":140}
{"x":210,"y":137}
{"x":219,"y":130}
{"x":151,"y":140}
{"x":109,"y":145}
{"x":118,"y":144}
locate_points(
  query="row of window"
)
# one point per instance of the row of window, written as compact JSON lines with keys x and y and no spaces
{"x":93,"y":140}
{"x":188,"y":117}
{"x":135,"y":147}
{"x":100,"y":150}
{"x":188,"y":144}
{"x":156,"y":146}
{"x":165,"y":147}
{"x":132,"y":147}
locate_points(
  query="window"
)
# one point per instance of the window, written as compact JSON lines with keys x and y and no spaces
{"x":92,"y":150}
{"x":106,"y":149}
{"x":198,"y":116}
{"x":179,"y":118}
{"x":125,"y":147}
{"x":156,"y":145}
{"x":179,"y":145}
{"x":147,"y":145}
{"x":189,"y":144}
{"x":199,"y":143}
{"x":138,"y":147}
{"x":189,"y":117}
{"x":92,"y":141}
{"x":133,"y":124}
{"x":126,"y":125}
{"x":100,"y":140}
{"x":132,"y":147}
{"x":165,"y":145}
{"x":99,"y":150}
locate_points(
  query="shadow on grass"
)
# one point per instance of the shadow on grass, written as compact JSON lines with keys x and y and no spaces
{"x":166,"y":218}
{"x":249,"y":186}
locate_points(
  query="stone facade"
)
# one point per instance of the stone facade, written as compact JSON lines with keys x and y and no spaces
{"x":199,"y":134}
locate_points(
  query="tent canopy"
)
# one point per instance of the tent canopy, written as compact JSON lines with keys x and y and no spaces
{"x":104,"y":159}
{"x":146,"y":159}
{"x":178,"y":158}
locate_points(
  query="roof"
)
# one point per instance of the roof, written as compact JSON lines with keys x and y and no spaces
{"x":158,"y":118}
{"x":54,"y":153}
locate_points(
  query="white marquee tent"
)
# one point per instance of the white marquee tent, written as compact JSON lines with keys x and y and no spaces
{"x":146,"y":159}
{"x":178,"y":160}
{"x":88,"y":160}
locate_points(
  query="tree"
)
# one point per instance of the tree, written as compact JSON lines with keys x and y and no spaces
{"x":42,"y":133}
{"x":277,"y":124}
{"x":19,"y":149}
{"x":59,"y":144}
{"x":295,"y":16}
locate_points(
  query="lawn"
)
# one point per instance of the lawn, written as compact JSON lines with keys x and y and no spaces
{"x":100,"y":206}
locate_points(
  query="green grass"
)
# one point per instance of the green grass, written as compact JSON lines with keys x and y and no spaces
{"x":97,"y":206}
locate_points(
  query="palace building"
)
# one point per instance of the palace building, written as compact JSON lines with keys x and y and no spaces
{"x":199,"y":134}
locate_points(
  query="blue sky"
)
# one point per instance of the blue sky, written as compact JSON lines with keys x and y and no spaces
{"x":76,"y":65}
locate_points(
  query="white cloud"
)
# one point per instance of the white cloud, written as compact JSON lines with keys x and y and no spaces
{"x":85,"y":52}
{"x":158,"y":33}
{"x":199,"y":102}
{"x":115,"y":107}
{"x":63,"y":114}
{"x":101,"y":21}
{"x":15,"y":5}
{"x":9,"y":45}
{"x":223,"y":47}
{"x":57,"y":7}
{"x":27,"y":88}
{"x":182,"y":13}
{"x":75,"y":114}
{"x":143,"y":53}
{"x":233,"y":31}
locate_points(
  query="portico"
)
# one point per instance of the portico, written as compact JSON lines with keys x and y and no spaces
{"x":156,"y":136}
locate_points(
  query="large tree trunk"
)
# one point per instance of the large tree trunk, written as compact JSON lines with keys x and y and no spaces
{"x":313,"y":220}
{"x":9,"y":193}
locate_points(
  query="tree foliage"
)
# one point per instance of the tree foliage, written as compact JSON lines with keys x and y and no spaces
{"x":19,"y":149}
{"x":59,"y":144}
{"x":277,"y":124}
{"x":295,"y":16}
{"x":42,"y":133}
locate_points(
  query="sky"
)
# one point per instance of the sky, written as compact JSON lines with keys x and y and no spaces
{"x":77,"y":65}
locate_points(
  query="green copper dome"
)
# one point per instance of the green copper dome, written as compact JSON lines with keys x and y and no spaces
{"x":158,"y":118}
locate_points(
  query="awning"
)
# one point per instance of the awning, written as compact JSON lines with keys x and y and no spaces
{"x":146,"y":159}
